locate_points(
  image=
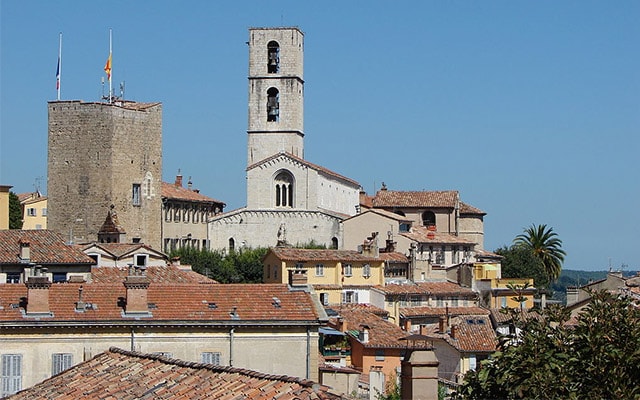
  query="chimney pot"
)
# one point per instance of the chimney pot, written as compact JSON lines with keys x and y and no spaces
{"x":178,"y":182}
{"x":137,"y":287}
{"x":38,"y":295}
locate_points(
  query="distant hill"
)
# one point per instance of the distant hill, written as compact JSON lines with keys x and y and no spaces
{"x":570,"y":277}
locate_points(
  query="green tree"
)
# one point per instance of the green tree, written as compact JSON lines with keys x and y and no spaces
{"x":545,"y":245}
{"x":598,"y":358}
{"x":241,"y":266}
{"x":15,"y":212}
{"x":519,"y":262}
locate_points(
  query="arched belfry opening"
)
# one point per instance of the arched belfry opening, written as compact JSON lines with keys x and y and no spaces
{"x":284,"y":189}
{"x":273,"y":57}
{"x":273,"y":105}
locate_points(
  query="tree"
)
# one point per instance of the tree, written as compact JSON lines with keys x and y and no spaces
{"x":519,"y":262}
{"x":545,"y":245}
{"x":15,"y":212}
{"x":598,"y":358}
{"x":241,"y":266}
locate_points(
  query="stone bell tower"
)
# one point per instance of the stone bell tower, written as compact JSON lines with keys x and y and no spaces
{"x":276,"y":93}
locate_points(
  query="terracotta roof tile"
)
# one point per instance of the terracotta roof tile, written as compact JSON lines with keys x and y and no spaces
{"x":168,"y":274}
{"x":208,"y":303}
{"x":474,"y":333}
{"x":171,"y":191}
{"x":422,"y":234}
{"x":120,"y":374}
{"x":292,"y":254}
{"x":441,"y":311}
{"x":46,"y":248}
{"x":435,"y":199}
{"x":394,"y":257}
{"x":469,"y":209}
{"x":430,"y":288}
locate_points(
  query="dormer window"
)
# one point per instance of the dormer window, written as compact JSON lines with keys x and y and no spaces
{"x":273,"y":57}
{"x":273,"y":105}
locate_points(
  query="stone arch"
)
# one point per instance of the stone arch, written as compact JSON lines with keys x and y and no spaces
{"x":284,"y":189}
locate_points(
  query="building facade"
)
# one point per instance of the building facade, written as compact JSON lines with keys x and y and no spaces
{"x":103,"y":155}
{"x":289,"y":200}
{"x":34,"y":210}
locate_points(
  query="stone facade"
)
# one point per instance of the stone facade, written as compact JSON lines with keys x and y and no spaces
{"x":289,"y":200}
{"x":100,"y":155}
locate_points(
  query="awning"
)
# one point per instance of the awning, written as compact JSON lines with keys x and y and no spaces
{"x":330,"y":331}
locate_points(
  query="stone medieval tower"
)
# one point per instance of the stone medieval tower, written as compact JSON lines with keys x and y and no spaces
{"x":276,"y":93}
{"x":105,"y":158}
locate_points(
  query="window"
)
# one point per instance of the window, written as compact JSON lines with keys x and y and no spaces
{"x":273,"y":105}
{"x":163,"y":354}
{"x":147,"y":189}
{"x":141,"y":260}
{"x":284,"y":189}
{"x":135,"y":197}
{"x":299,"y":265}
{"x":324,"y":299}
{"x":379,"y":355}
{"x":319,"y":269}
{"x":349,"y":296}
{"x":59,"y":277}
{"x":31,"y":212}
{"x":428,"y":218}
{"x":61,"y":362}
{"x":44,"y":212}
{"x":232,"y":245}
{"x":273,"y":58}
{"x":13,"y":277}
{"x":348,"y":270}
{"x":404,"y":227}
{"x":503,"y":301}
{"x":210,"y":357}
{"x":11,"y":374}
{"x":472,"y":362}
{"x":366,"y":270}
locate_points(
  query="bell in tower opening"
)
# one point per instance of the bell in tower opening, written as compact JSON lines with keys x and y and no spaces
{"x":273,"y":104}
{"x":273,"y":64}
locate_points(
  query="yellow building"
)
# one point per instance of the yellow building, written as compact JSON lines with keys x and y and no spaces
{"x":337,"y":276}
{"x":498,"y":292}
{"x":34,"y":210}
{"x":4,"y":206}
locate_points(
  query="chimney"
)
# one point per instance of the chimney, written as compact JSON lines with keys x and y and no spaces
{"x":189,"y":183}
{"x":25,"y":251}
{"x":137,"y":285}
{"x":364,"y":334}
{"x":178,"y":182}
{"x":342,"y":324}
{"x":442,"y":328}
{"x":298,"y":277}
{"x":454,"y":331}
{"x":38,"y":295}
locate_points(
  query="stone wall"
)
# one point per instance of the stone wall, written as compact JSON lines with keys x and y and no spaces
{"x":97,"y":152}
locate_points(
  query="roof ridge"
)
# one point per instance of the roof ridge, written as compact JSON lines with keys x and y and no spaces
{"x":211,"y":367}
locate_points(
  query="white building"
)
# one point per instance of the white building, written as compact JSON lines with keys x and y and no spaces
{"x":289,"y":200}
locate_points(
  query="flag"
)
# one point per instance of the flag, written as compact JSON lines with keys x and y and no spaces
{"x":107,"y":67}
{"x":58,"y":75}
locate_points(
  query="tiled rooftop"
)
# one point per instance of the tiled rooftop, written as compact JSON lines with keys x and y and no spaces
{"x":291,"y":254}
{"x":125,"y":375}
{"x":206,"y":303}
{"x":441,"y":311}
{"x":120,"y":249}
{"x":168,"y":275}
{"x":422,"y":234}
{"x":435,"y":199}
{"x":430,"y":288}
{"x":46,"y":247}
{"x":307,"y":164}
{"x":382,"y":334}
{"x":474,"y":334}
{"x":469,"y":209}
{"x":171,"y":191}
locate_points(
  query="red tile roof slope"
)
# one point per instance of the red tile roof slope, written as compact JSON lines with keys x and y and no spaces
{"x":469,"y":209}
{"x":474,"y":334}
{"x":291,"y":254}
{"x":168,"y":274}
{"x":438,"y":287}
{"x":124,"y":375}
{"x":171,"y":191}
{"x":171,"y":302}
{"x":391,"y":198}
{"x":441,"y":311}
{"x":120,"y":249}
{"x":382,"y":334}
{"x":422,"y":234}
{"x":46,"y":247}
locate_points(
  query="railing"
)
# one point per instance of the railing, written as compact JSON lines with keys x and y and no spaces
{"x":336,"y":352}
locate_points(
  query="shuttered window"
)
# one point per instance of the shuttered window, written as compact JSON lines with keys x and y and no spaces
{"x":11,"y":374}
{"x":61,"y":362}
{"x":211,"y":358}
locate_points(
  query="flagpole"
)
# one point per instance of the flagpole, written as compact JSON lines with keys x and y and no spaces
{"x":110,"y":52}
{"x":59,"y":72}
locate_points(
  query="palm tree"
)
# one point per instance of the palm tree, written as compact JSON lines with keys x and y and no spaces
{"x":543,"y":242}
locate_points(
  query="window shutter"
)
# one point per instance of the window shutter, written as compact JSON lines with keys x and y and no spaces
{"x":11,"y":374}
{"x":61,"y":362}
{"x":211,"y":358}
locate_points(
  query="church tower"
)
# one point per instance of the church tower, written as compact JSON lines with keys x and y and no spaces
{"x":276,"y":93}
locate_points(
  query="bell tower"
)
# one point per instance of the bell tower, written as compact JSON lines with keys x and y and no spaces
{"x":276,"y":93}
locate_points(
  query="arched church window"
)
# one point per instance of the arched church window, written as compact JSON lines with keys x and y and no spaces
{"x":273,"y":61}
{"x":284,"y":189}
{"x":428,"y":218}
{"x":232,"y":245}
{"x":273,"y":104}
{"x":334,"y":243}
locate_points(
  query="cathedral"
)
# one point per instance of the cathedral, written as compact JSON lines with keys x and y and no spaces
{"x":290,"y":201}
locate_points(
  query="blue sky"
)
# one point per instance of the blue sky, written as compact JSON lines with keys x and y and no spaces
{"x":530,"y":109}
